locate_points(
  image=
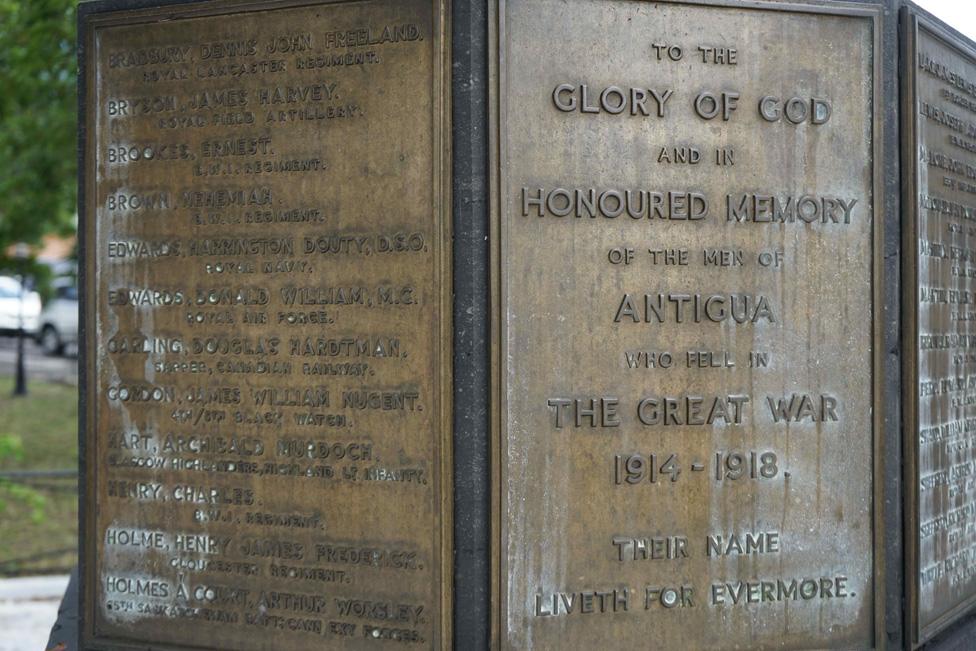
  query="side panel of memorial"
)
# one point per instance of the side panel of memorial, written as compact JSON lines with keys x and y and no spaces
{"x":939,"y":235}
{"x":266,"y":275}
{"x":687,"y":212}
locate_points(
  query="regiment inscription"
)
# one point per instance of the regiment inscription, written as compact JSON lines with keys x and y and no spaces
{"x":687,"y":224}
{"x":940,"y":242}
{"x":268,"y":315}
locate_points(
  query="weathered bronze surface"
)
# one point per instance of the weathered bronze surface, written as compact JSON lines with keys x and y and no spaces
{"x":269,"y":302}
{"x":687,"y":226}
{"x":939,"y":131}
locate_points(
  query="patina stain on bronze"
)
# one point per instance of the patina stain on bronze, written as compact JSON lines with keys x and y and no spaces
{"x":268,"y":303}
{"x":687,"y":226}
{"x":939,"y":131}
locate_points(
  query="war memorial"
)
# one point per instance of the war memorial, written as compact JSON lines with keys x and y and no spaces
{"x":526,"y":325}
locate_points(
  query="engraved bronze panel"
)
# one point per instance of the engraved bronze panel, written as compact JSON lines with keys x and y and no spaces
{"x":687,"y":218}
{"x":268,"y":315}
{"x":939,"y":199}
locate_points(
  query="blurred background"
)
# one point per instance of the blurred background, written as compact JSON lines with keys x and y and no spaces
{"x":38,"y":317}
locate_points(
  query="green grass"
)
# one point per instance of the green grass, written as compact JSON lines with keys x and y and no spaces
{"x":38,"y":432}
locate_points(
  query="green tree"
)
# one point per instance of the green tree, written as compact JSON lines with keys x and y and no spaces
{"x":38,"y":115}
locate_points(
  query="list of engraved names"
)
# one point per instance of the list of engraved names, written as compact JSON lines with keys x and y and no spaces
{"x":266,"y":255}
{"x":945,"y":114}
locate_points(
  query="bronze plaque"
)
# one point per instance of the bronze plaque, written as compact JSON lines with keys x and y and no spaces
{"x":268,"y":260}
{"x":687,"y":227}
{"x":939,"y":131}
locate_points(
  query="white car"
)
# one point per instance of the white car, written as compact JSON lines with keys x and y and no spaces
{"x":16,"y":309}
{"x":59,"y":320}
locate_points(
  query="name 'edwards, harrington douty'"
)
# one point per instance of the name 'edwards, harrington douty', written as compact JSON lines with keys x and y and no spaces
{"x":691,"y":205}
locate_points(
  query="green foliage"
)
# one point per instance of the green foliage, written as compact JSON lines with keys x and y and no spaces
{"x":44,"y":429}
{"x":12,"y":448}
{"x":37,"y":119}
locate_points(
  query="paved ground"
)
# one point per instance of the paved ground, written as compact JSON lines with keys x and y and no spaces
{"x":38,"y":365}
{"x":28,"y":610}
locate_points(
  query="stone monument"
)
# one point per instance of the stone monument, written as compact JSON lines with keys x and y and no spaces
{"x":526,"y":324}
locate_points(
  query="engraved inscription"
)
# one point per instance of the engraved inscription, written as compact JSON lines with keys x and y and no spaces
{"x":686,"y":230}
{"x":267,"y":250}
{"x":944,"y":113}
